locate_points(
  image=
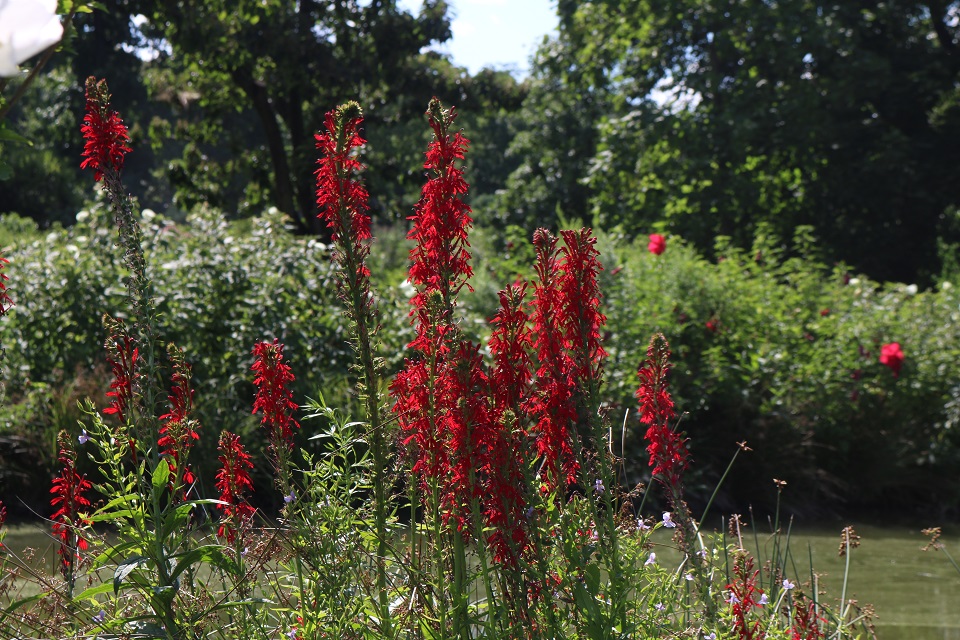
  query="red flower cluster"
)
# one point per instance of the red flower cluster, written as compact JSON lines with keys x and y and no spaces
{"x":104,"y":131}
{"x":233,"y":481}
{"x":667,"y":449}
{"x":5,"y":301}
{"x":891,"y":355}
{"x":3,"y":520}
{"x":122,"y":356}
{"x":179,"y":430}
{"x":425,"y":390}
{"x":441,"y":220}
{"x":743,"y":598}
{"x":274,"y":398}
{"x":505,"y":499}
{"x":69,"y":497}
{"x":567,"y":342}
{"x":657,"y":244}
{"x":342,"y":199}
{"x":553,"y":403}
{"x":807,"y":625}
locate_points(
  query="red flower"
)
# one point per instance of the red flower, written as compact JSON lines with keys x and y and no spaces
{"x":233,"y":481}
{"x":342,"y":199}
{"x":824,"y":313}
{"x":5,"y":301}
{"x":712,"y":325}
{"x":667,"y":449}
{"x":69,"y":490}
{"x":426,"y":390}
{"x":179,"y":430}
{"x":274,"y":398}
{"x":104,"y":132}
{"x":441,"y":220}
{"x":891,"y":355}
{"x":3,"y":520}
{"x":657,"y":245}
{"x":580,"y":295}
{"x":122,"y":356}
{"x":743,"y":598}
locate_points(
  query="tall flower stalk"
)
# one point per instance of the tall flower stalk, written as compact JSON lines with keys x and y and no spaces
{"x":5,"y":303}
{"x":342,"y":200}
{"x":233,"y":483}
{"x":274,"y":400}
{"x":69,"y":499}
{"x":669,"y":456}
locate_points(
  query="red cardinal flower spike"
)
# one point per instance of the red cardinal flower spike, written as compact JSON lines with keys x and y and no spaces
{"x":233,"y":482}
{"x":69,"y":498}
{"x":667,"y":449}
{"x":105,"y":134}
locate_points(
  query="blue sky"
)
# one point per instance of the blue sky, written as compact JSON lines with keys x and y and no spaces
{"x":496,"y":33}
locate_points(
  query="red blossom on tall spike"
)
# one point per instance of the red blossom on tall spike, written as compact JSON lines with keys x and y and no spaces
{"x":3,"y":520}
{"x":505,"y":503}
{"x":105,"y":134}
{"x":341,"y":197}
{"x":69,"y":498}
{"x":274,"y":398}
{"x":553,"y":403}
{"x":5,"y":301}
{"x":233,"y":482}
{"x":510,"y":344}
{"x":122,"y":356}
{"x":743,"y":596}
{"x":441,"y":220}
{"x":668,"y":450}
{"x":178,"y":432}
{"x":580,"y":295}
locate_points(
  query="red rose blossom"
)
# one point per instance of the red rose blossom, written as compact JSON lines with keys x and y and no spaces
{"x":891,"y":355}
{"x":657,"y":245}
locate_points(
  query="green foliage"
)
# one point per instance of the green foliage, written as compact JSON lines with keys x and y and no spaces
{"x":717,"y":119}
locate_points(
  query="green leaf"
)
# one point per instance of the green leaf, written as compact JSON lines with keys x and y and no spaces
{"x":161,"y":476}
{"x":9,"y":135}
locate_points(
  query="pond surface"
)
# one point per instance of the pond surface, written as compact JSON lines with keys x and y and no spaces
{"x":916,"y":594}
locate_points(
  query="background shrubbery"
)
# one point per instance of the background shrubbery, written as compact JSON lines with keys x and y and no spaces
{"x":781,"y":352}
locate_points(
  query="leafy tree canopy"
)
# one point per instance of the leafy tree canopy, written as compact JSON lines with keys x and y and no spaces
{"x":719,"y":117}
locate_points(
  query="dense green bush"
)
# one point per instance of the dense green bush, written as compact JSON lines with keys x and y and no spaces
{"x":780,"y":353}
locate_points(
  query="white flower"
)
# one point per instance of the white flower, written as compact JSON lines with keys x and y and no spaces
{"x":81,"y":215}
{"x":911,"y":289}
{"x":148,"y":214}
{"x":946,"y":286}
{"x":854,"y":282}
{"x":27,"y":27}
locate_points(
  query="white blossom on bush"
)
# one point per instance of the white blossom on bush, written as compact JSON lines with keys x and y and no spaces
{"x":27,"y":27}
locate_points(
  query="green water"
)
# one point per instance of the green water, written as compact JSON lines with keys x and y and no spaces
{"x":916,"y":594}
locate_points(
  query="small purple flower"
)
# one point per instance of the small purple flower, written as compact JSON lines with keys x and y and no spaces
{"x":688,"y":577}
{"x":659,"y":606}
{"x":763,"y":600}
{"x":292,"y":634}
{"x":641,"y":525}
{"x":651,"y":560}
{"x":100,"y":617}
{"x":788,"y":585}
{"x":529,"y":513}
{"x":702,"y":553}
{"x":83,"y":438}
{"x":711,"y":636}
{"x":290,"y":498}
{"x":733,"y":599}
{"x":668,"y":520}
{"x":598,"y":486}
